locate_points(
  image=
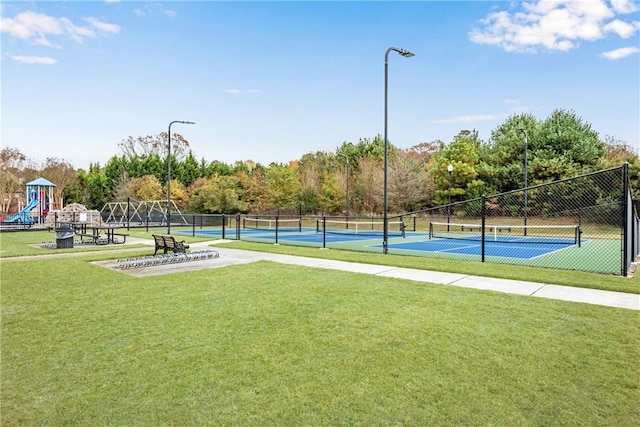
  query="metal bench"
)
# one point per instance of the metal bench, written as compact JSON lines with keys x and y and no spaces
{"x":169,"y":244}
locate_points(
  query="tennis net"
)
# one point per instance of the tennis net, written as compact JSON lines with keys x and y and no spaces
{"x":291,"y":224}
{"x":366,"y":228}
{"x":545,"y":234}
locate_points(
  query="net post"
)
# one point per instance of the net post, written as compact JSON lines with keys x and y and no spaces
{"x":579,"y":235}
{"x":324,"y":232}
{"x":430,"y":230}
{"x":277,"y":218}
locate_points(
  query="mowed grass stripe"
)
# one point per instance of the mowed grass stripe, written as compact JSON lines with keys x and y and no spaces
{"x":270,"y":344}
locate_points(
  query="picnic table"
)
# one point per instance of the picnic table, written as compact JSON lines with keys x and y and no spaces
{"x":99,"y":235}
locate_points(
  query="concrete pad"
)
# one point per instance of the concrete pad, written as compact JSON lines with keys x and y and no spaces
{"x":436,"y":277}
{"x":178,"y":267}
{"x":590,"y":296}
{"x":499,"y":285}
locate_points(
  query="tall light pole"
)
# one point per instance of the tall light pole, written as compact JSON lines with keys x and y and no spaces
{"x":169,"y":171}
{"x":526,"y":167}
{"x":385,"y":225}
{"x":450,"y":170}
{"x":346,"y":204}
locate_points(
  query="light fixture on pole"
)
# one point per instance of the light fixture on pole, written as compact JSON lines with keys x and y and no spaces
{"x":526,"y":167}
{"x":385,"y":225}
{"x":169,"y":171}
{"x":450,"y":170}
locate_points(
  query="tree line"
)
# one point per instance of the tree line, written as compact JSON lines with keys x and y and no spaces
{"x":347,"y":181}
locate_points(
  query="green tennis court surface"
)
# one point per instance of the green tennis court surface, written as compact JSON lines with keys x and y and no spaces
{"x":592,"y":254}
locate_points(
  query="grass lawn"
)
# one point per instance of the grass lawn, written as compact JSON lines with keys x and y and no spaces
{"x":504,"y":271}
{"x":267,"y":344}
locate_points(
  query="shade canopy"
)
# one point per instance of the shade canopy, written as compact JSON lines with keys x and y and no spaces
{"x":41,"y":182}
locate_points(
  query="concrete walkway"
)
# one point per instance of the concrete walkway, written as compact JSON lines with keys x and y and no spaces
{"x":230,"y":256}
{"x":540,"y":290}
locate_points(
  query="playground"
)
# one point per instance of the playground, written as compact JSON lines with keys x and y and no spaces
{"x":39,"y":196}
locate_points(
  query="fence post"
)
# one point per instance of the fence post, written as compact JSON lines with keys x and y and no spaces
{"x":625,"y":215}
{"x":483,"y":234}
{"x":224,"y":223}
{"x":324,"y":232}
{"x":128,"y":211}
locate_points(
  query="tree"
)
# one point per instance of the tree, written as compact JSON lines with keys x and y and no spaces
{"x":12,"y":162}
{"x":149,"y":145}
{"x":147,"y":188}
{"x":462,"y":154}
{"x":309,"y":171}
{"x":188,"y":170}
{"x":98,"y":191}
{"x":62,"y":174}
{"x":118,"y":177}
{"x":564,"y":146}
{"x":618,"y":153}
{"x":282,"y":185}
{"x":407,"y":182}
{"x":216,"y":168}
{"x":253,"y":182}
{"x":217,"y":194}
{"x":502,"y":159}
{"x":368,"y":186}
{"x":333,"y":193}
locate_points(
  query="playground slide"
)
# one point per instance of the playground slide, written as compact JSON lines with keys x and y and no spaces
{"x":23,"y":216}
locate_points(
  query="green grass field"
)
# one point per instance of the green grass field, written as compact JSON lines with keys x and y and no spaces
{"x":267,"y":344}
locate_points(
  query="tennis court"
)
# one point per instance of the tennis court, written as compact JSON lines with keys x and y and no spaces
{"x":500,"y":240}
{"x":504,"y":249}
{"x":504,"y":241}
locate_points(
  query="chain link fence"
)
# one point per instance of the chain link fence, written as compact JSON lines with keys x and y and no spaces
{"x":587,"y":223}
{"x":575,"y":224}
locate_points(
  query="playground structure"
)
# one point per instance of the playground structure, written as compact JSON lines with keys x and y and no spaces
{"x":40,"y":198}
{"x":141,"y":212}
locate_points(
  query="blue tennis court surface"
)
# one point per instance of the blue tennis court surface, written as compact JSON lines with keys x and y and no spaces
{"x":414,"y":241}
{"x":498,"y":248}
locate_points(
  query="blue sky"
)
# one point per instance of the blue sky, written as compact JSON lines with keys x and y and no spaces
{"x":272,"y":81}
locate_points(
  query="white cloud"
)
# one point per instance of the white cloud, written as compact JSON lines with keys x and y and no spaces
{"x":27,"y":25}
{"x":624,"y":6}
{"x":38,"y":28}
{"x":104,"y":27}
{"x":621,"y":28}
{"x":466,"y":119}
{"x":620,"y":53}
{"x":169,"y":13}
{"x":237,"y":91}
{"x":34,"y":59}
{"x":556,"y":25}
{"x":151,"y":8}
